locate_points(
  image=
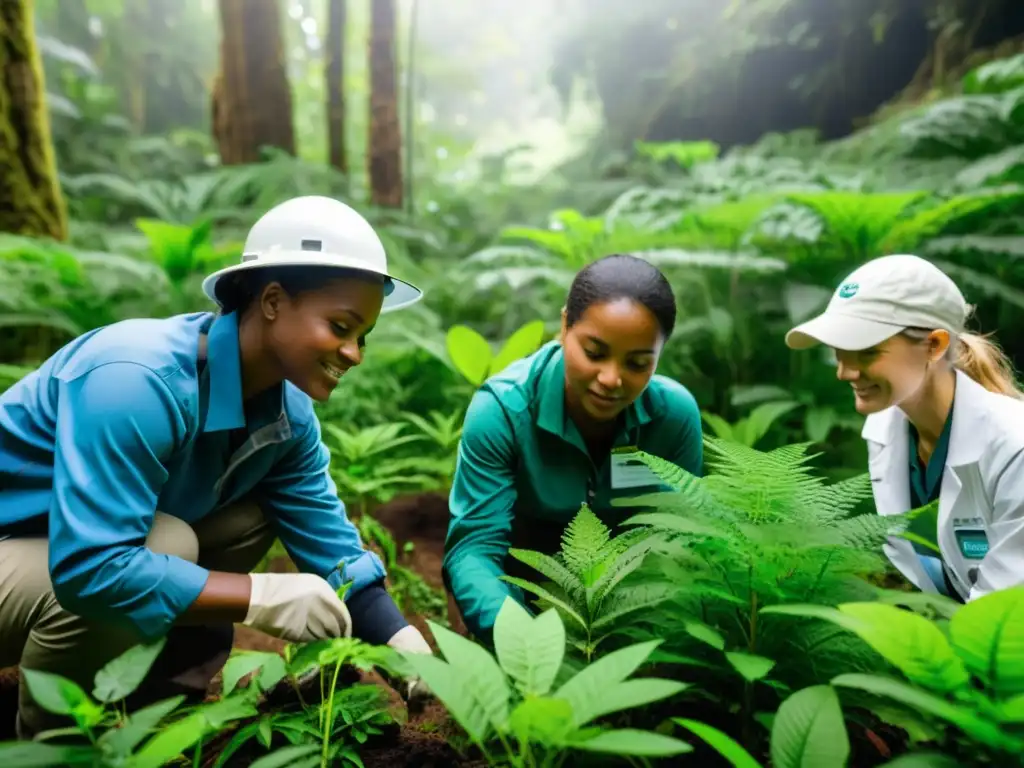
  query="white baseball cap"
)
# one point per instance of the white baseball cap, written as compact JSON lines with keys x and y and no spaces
{"x":882,"y":298}
{"x":316,"y":231}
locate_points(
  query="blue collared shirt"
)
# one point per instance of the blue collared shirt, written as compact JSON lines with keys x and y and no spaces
{"x":124,"y":421}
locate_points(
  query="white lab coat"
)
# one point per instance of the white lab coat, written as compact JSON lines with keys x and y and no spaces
{"x":982,"y":488}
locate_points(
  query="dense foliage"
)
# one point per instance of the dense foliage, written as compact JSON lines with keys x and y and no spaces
{"x":753,"y":594}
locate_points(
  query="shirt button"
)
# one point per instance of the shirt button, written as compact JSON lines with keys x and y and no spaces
{"x":590,"y":494}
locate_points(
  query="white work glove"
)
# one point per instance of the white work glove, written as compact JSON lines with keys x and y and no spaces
{"x":413,"y":689}
{"x":297,"y":607}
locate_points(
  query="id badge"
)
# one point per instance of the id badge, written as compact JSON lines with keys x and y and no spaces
{"x":973,"y":543}
{"x":629,"y":470}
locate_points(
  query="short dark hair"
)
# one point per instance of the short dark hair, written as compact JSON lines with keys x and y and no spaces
{"x":237,"y":292}
{"x":622,"y":276}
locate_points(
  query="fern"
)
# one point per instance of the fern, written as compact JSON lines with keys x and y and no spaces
{"x":586,"y":578}
{"x":760,"y":529}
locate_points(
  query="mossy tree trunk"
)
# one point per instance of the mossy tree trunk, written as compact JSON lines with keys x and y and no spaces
{"x":252,"y":99}
{"x":31,"y":202}
{"x":385,"y":141}
{"x":335,"y":82}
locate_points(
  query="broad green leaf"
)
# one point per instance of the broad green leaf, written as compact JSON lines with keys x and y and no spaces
{"x":544,"y":721}
{"x":122,"y":675}
{"x":630,"y":694}
{"x":470,"y":353}
{"x":449,"y":685}
{"x":36,"y":754}
{"x":529,"y":649}
{"x":121,"y":741}
{"x":169,"y":743}
{"x":906,"y":640}
{"x":480,"y":672}
{"x":923,"y":760}
{"x":61,"y":696}
{"x":243,"y":663}
{"x":286,"y":757}
{"x":520,"y":344}
{"x":720,"y":742}
{"x":544,"y":594}
{"x":706,"y":634}
{"x":988,"y":634}
{"x":809,"y":730}
{"x":630,"y":741}
{"x":962,"y":717}
{"x":586,"y":690}
{"x":751,"y":666}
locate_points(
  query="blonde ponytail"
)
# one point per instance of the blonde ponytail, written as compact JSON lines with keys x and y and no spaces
{"x":987,"y":364}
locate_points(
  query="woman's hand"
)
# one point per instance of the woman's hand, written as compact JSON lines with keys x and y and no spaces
{"x":297,"y":607}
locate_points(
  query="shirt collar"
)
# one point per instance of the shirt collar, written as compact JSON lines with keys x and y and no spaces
{"x":551,"y":415}
{"x":226,"y":410}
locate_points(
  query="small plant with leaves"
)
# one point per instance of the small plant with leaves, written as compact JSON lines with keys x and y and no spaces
{"x":513,"y":708}
{"x":961,"y":680}
{"x":586,"y":579}
{"x":759,"y":529}
{"x":147,"y":738}
{"x":329,"y":729}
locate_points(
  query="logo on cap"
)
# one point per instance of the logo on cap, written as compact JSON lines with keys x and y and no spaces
{"x":848,"y":290}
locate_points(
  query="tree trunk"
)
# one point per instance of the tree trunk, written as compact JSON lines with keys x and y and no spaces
{"x":252,"y":97}
{"x":385,"y":141}
{"x":335,"y":75}
{"x":31,"y":202}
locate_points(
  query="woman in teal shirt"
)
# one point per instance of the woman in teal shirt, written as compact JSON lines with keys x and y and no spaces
{"x":538,"y":437}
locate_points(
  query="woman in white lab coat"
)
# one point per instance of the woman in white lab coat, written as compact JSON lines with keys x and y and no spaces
{"x":945,"y":421}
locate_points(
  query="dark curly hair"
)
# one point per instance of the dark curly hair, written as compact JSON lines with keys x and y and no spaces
{"x":621,"y":276}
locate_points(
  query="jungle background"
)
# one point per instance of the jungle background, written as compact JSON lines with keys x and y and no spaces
{"x":756,"y":150}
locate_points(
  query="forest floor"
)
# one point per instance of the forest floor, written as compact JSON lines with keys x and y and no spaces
{"x":422,"y":737}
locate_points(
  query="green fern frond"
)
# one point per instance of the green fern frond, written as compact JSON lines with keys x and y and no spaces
{"x":584,"y":545}
{"x":548,"y":566}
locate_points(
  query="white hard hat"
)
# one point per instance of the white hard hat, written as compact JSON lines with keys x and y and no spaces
{"x":315,"y":231}
{"x":881,"y":298}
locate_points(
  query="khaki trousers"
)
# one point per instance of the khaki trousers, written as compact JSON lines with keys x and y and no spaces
{"x":37,"y":633}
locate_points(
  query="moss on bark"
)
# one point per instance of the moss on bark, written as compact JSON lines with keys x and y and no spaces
{"x":31,"y":202}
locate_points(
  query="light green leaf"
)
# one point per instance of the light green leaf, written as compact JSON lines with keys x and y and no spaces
{"x":61,"y":696}
{"x":630,"y":741}
{"x":520,"y":344}
{"x":906,"y":640}
{"x":470,"y":353}
{"x":169,"y":743}
{"x":751,"y":666}
{"x":809,"y":730}
{"x":480,"y":673}
{"x":449,"y":685}
{"x":41,"y":755}
{"x":544,"y":594}
{"x":529,"y":649}
{"x":720,"y":742}
{"x":923,"y":760}
{"x":587,"y":690}
{"x":122,"y":675}
{"x":965,"y":719}
{"x":988,"y":634}
{"x":121,"y":741}
{"x":544,"y":721}
{"x":706,"y":634}
{"x":243,"y":663}
{"x":286,"y":756}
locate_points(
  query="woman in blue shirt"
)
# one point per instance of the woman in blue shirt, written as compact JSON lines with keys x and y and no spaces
{"x":558,"y":429}
{"x":146,"y":468}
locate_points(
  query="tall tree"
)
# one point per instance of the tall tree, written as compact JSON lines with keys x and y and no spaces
{"x":335,"y":81}
{"x":31,"y":202}
{"x":385,"y":141}
{"x":252,"y":99}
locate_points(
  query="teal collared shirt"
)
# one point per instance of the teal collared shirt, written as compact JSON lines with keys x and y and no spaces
{"x":124,"y":421}
{"x":925,"y":487}
{"x":523,"y":471}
